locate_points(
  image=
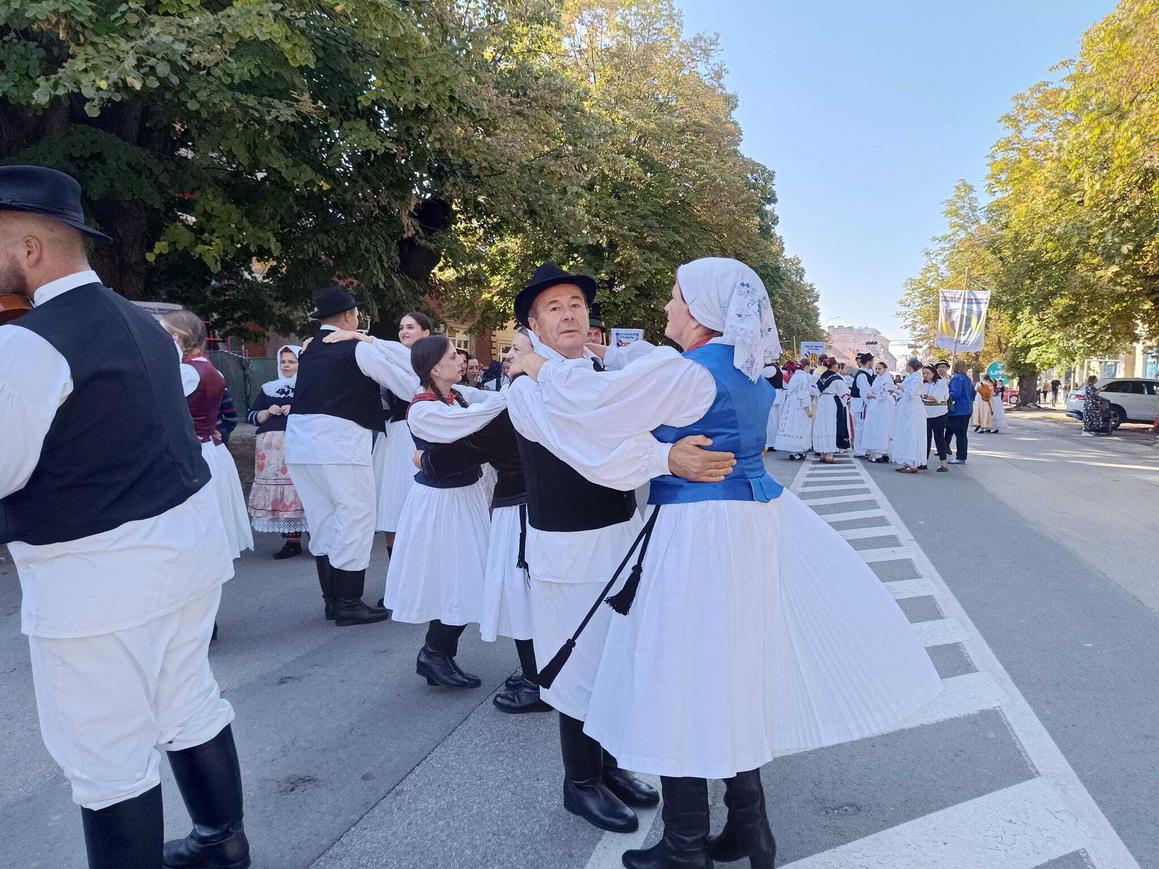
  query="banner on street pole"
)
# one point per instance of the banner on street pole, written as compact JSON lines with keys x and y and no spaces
{"x":962,"y":319}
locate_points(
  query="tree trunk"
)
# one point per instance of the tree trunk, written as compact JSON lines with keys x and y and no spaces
{"x":1028,"y":388}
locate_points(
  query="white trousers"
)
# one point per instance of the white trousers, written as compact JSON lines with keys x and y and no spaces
{"x":340,"y":504}
{"x":109,"y":702}
{"x":557,"y":608}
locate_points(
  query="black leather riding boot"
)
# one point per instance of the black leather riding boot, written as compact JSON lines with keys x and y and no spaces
{"x":584,"y":791}
{"x":746,"y":833}
{"x":209,"y":779}
{"x":349,"y":608}
{"x":128,"y":833}
{"x":684,"y":844}
{"x":326,"y":581}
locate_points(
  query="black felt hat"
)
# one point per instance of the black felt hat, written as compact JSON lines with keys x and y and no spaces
{"x":40,"y":190}
{"x":333,"y":300}
{"x":595,"y":316}
{"x":546,"y":276}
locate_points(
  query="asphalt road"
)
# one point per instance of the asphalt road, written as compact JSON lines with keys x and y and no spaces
{"x":1030,"y":572}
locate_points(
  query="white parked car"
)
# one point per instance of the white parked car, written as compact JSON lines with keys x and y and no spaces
{"x":1132,"y":399}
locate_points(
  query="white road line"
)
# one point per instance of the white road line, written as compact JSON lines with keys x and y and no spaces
{"x":837,"y":499}
{"x":938,"y":632}
{"x":1018,"y":827}
{"x":887,"y":553}
{"x":910,"y":588}
{"x":864,"y":533}
{"x":838,"y":487}
{"x":1102,"y":844}
{"x":855,"y":514}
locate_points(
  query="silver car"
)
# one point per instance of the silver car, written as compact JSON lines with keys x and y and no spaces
{"x":1132,"y":399}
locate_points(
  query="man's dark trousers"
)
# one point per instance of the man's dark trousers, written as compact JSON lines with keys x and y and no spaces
{"x":956,"y":427}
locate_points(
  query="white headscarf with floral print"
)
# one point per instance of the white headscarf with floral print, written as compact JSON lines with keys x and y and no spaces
{"x":726,"y":296}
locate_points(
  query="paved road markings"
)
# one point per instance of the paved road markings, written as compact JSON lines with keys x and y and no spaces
{"x":1018,"y":827}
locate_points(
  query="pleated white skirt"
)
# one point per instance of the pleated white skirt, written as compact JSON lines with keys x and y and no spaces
{"x":394,"y":473}
{"x":795,"y":430}
{"x":999,"y":412}
{"x":909,"y":434}
{"x":825,"y":425}
{"x":506,"y":588}
{"x":879,"y":424}
{"x":774,"y":421}
{"x":227,"y":487}
{"x":756,"y":630}
{"x":440,"y":551}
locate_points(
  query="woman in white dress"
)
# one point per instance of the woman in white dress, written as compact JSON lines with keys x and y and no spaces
{"x":880,"y":407}
{"x":936,"y":399}
{"x":831,"y":412}
{"x":751,"y":626}
{"x":908,"y":448}
{"x":776,"y":378}
{"x":982,"y":415}
{"x":998,"y":408}
{"x":795,"y":431}
{"x":436,"y":573}
{"x":393,"y":452}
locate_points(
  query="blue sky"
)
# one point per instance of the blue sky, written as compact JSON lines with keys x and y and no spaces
{"x":869,"y":112}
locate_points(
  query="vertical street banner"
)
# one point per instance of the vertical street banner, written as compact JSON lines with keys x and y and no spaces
{"x":962,"y":319}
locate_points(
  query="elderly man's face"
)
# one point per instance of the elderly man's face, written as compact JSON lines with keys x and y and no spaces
{"x":559,"y":316}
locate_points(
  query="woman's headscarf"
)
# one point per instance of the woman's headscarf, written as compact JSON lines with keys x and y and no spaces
{"x":283,"y":387}
{"x":726,"y":296}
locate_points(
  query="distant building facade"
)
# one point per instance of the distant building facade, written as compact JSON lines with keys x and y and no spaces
{"x":846,"y":342}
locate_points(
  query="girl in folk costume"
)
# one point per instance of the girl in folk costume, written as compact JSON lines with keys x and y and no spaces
{"x":830,"y":427}
{"x":393,"y":468}
{"x":880,"y":408}
{"x":998,"y":408}
{"x":436,"y":572}
{"x":982,"y":416}
{"x":776,"y":378}
{"x":936,"y":399}
{"x":795,"y":432}
{"x":274,"y":504}
{"x":749,"y":626}
{"x":908,"y":447}
{"x":506,"y":587}
{"x":204,"y":386}
{"x":858,"y":405}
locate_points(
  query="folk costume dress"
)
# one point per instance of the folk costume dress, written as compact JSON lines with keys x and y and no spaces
{"x":909,"y":431}
{"x":394,"y":449}
{"x":830,"y":427}
{"x":776,"y":378}
{"x":755,"y":627}
{"x":440,"y":552}
{"x":999,"y":411}
{"x":795,"y":431}
{"x":274,"y":504}
{"x":982,"y":414}
{"x":204,"y":401}
{"x":858,"y":407}
{"x":881,"y":407}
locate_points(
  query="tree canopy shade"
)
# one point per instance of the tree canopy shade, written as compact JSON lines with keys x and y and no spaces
{"x":432,"y":149}
{"x":1069,"y":241}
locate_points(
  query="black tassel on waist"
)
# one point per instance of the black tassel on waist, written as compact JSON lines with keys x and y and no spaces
{"x":621,"y":602}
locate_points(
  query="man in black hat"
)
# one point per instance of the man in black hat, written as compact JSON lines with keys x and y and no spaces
{"x":577,"y":533}
{"x":329,"y":435}
{"x":118,"y":541}
{"x":595,"y":325}
{"x":862,"y":380}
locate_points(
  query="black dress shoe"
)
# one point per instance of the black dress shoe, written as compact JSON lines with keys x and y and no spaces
{"x":355,"y":612}
{"x":436,"y":668}
{"x":629,"y":789}
{"x":523,"y":698}
{"x":473,"y":681}
{"x":289,"y":549}
{"x":592,"y":801}
{"x":513,"y":681}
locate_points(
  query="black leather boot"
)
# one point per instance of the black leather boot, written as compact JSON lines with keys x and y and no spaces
{"x":326,"y":581}
{"x":289,"y":549}
{"x":436,"y":667}
{"x":684,"y":844}
{"x":584,"y":791}
{"x":746,"y":833}
{"x":349,"y":608}
{"x":524,"y":697}
{"x":630,"y":790}
{"x":128,"y":833}
{"x":210,"y":783}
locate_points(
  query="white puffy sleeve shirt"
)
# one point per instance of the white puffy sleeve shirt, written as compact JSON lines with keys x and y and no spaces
{"x":442,"y":423}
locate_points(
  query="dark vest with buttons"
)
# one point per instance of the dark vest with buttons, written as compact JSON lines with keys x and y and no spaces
{"x":121,"y":448}
{"x":559,"y":498}
{"x":330,"y":382}
{"x":465,"y":476}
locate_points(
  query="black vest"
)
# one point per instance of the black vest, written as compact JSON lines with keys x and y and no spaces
{"x":330,"y":382}
{"x":560,"y":499}
{"x":855,"y":390}
{"x":494,"y":443}
{"x":121,"y":447}
{"x":395,"y":407}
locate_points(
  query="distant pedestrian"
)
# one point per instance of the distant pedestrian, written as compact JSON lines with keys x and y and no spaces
{"x":935,"y":394}
{"x":1093,"y":422}
{"x":1055,"y":386}
{"x":961,"y":407}
{"x":982,"y":417}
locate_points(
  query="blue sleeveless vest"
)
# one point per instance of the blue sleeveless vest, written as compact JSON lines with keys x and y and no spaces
{"x":737,"y":422}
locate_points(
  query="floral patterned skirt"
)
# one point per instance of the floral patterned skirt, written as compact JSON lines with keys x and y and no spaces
{"x":274,"y":503}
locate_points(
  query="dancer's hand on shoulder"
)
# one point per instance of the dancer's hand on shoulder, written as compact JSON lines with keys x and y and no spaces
{"x":345,"y":335}
{"x":689,"y":459}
